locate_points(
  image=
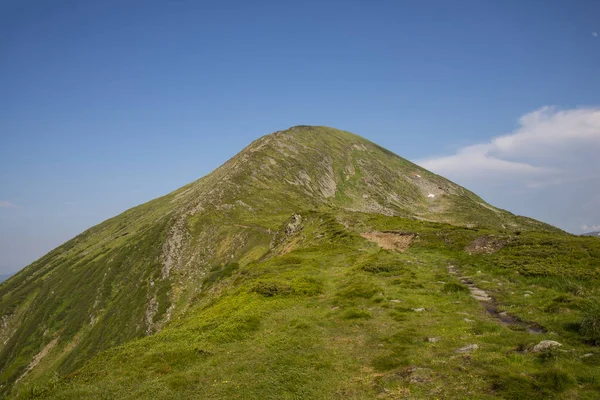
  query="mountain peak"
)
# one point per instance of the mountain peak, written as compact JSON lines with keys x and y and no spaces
{"x":133,"y":274}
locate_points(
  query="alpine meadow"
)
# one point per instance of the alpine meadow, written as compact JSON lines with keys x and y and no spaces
{"x":314,"y":264}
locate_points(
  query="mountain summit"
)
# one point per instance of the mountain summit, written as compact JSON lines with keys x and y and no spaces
{"x":288,"y":272}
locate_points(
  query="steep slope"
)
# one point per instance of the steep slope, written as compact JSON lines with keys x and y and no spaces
{"x":153,"y":265}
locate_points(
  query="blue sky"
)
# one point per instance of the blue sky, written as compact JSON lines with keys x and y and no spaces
{"x":107,"y":104}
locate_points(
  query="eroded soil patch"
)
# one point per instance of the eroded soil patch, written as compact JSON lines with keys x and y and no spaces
{"x":391,"y":240}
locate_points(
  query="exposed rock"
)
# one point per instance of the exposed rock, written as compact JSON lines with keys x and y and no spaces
{"x":486,"y":245}
{"x":545,"y":345}
{"x":293,"y":226}
{"x":434,"y":339}
{"x":151,"y":311}
{"x":420,"y":375}
{"x":418,"y":309}
{"x":468,"y":348}
{"x":479,"y":294}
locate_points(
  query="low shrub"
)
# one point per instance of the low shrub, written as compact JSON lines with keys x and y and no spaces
{"x":590,"y":325}
{"x":272,"y":288}
{"x":454,"y":288}
{"x":220,"y":272}
{"x":359,"y":289}
{"x":354,"y":313}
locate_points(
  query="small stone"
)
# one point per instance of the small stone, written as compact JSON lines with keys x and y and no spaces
{"x":478,"y":272}
{"x":419,"y":375}
{"x":396,"y":301}
{"x":433,"y":339}
{"x":468,"y":320}
{"x":418,"y":309}
{"x":467,"y":349}
{"x":586,"y":355}
{"x":545,"y":345}
{"x":526,"y":295}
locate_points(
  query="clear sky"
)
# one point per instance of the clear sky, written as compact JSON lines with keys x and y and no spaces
{"x":108,"y":104}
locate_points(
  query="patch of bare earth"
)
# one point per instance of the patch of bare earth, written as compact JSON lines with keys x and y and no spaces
{"x":391,"y":240}
{"x":38,"y":357}
{"x":486,"y":245}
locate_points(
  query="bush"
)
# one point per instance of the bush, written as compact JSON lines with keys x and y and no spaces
{"x":556,"y":380}
{"x":359,"y":289}
{"x":269,"y":289}
{"x":220,"y":272}
{"x":307,"y":285}
{"x":377,"y":268}
{"x":386,"y":362}
{"x":355,"y":313}
{"x":590,"y":325}
{"x":454,"y":288}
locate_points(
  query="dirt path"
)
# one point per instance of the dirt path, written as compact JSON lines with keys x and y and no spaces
{"x":490,"y":305}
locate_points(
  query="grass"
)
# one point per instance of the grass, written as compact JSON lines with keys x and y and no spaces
{"x":590,"y":325}
{"x":250,"y":311}
{"x":314,"y":323}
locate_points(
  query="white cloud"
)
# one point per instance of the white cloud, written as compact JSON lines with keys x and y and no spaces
{"x":590,"y":228}
{"x":595,"y":34}
{"x":547,"y":168}
{"x":6,"y":204}
{"x":550,"y":147}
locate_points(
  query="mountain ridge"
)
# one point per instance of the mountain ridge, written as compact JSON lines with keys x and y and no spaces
{"x":591,"y":234}
{"x":150,"y":267}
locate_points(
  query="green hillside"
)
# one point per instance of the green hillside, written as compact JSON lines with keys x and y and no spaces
{"x":313,"y":264}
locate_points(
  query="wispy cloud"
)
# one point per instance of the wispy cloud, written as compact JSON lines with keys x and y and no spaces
{"x":595,"y":34}
{"x":6,"y":204}
{"x":590,"y":228}
{"x":550,"y":147}
{"x":547,"y":168}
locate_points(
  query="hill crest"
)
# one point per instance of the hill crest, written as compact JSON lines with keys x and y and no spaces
{"x":136,"y":273}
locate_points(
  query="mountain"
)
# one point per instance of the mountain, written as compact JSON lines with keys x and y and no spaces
{"x":313,"y":264}
{"x":592,"y":234}
{"x":4,"y":277}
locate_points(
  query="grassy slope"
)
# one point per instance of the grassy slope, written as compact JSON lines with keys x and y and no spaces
{"x":334,"y":318}
{"x":107,"y":286}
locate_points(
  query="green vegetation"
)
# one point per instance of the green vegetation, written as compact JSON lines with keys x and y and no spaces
{"x":216,"y":291}
{"x":590,"y":325}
